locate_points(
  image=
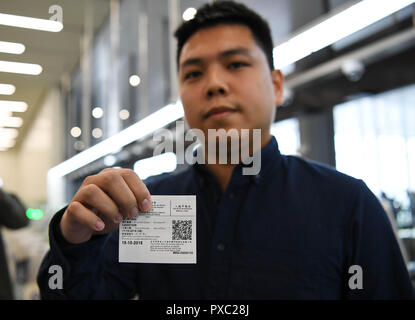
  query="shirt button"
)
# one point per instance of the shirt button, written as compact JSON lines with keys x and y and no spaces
{"x":221,"y":247}
{"x":231,"y":195}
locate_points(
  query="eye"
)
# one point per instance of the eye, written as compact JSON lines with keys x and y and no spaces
{"x":236,"y":65}
{"x":192,"y":75}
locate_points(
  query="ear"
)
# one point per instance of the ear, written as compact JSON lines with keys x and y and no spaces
{"x":278,"y":83}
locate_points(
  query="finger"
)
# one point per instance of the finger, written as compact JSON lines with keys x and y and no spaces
{"x":78,"y":214}
{"x":94,"y":197}
{"x":117,"y":189}
{"x":139,"y":189}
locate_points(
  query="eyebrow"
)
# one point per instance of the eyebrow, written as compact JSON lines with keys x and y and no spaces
{"x":221,"y":55}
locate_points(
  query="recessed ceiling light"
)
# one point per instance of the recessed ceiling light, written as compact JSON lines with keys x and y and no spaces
{"x":189,"y":14}
{"x":97,"y":112}
{"x":79,"y":145}
{"x":135,"y":80}
{"x":76,"y":132}
{"x":124,"y":114}
{"x":97,"y":133}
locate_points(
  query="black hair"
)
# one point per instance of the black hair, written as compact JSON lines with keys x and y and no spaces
{"x":227,"y":12}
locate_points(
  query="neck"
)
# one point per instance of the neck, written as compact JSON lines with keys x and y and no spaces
{"x":223,"y":172}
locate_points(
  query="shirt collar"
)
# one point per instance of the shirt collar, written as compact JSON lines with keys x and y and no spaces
{"x":270,"y":160}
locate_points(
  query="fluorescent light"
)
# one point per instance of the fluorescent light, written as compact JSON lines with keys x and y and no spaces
{"x":13,"y":122}
{"x":334,"y":28}
{"x":20,"y":67}
{"x":165,"y":162}
{"x":5,"y":114}
{"x":7,"y":143}
{"x":141,"y":129}
{"x":13,"y":106}
{"x":11,"y":47}
{"x":30,"y":23}
{"x":7,"y":89}
{"x":8,"y":133}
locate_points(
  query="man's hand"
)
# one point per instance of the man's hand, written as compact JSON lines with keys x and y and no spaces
{"x":101,"y":203}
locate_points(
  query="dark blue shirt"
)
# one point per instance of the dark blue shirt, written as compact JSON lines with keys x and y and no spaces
{"x":292,"y":232}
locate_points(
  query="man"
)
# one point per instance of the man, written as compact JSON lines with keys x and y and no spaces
{"x":296,"y":230}
{"x":12,"y":216}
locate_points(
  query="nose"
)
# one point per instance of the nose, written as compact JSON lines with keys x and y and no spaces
{"x":214,"y":91}
{"x":216,"y":85}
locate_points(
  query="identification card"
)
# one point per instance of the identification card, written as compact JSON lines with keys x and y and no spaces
{"x":165,"y":234}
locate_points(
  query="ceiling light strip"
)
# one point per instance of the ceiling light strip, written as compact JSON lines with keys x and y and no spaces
{"x":7,"y":89}
{"x":13,"y":106}
{"x":11,"y":47}
{"x":20,"y":67}
{"x":12,"y":122}
{"x":12,"y":20}
{"x":8,"y":133}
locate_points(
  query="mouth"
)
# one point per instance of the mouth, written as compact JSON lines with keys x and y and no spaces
{"x":218,"y":112}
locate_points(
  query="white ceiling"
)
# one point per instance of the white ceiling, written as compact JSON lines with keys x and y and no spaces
{"x":57,"y":53}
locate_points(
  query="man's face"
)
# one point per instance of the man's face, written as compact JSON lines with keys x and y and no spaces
{"x":225,"y":81}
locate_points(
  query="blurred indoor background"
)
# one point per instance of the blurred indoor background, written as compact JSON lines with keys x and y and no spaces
{"x":80,"y":86}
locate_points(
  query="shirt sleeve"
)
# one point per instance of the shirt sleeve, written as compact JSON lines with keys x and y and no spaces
{"x":89,"y":270}
{"x":375,"y":265}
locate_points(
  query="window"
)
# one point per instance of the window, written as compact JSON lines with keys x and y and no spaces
{"x":288,"y":136}
{"x":375,"y":141}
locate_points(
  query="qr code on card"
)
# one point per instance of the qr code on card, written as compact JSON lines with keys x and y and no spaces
{"x":182,"y":230}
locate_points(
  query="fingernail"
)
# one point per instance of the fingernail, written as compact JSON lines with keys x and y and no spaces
{"x":145,"y":205}
{"x":133,"y":212}
{"x":118,"y":218}
{"x":99,"y":225}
